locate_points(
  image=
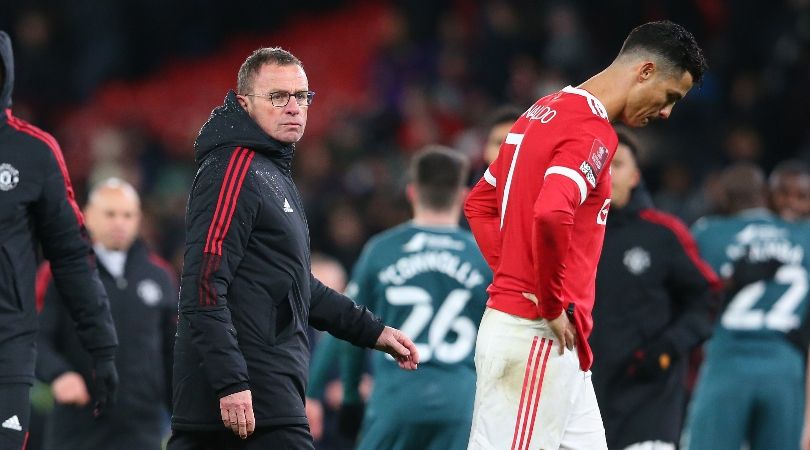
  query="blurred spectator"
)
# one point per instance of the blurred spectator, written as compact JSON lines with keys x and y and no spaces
{"x":677,"y":194}
{"x":652,"y":309}
{"x":498,"y":125}
{"x":143,"y":294}
{"x":789,"y":184}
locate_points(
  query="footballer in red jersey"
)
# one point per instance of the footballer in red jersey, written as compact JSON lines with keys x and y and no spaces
{"x":539,"y":216}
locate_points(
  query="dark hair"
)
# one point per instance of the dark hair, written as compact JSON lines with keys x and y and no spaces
{"x":629,"y":139}
{"x":742,"y":186}
{"x":790,"y":168}
{"x":438,"y":173}
{"x":267,"y":55}
{"x":670,"y":41}
{"x":503,"y":114}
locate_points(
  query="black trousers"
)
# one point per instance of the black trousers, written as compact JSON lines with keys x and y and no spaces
{"x":15,"y":413}
{"x":290,"y":437}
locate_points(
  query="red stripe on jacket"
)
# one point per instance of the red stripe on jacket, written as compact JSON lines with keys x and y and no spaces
{"x":44,"y":277}
{"x":687,"y":242}
{"x":226,"y":202}
{"x":27,"y":128}
{"x":232,"y":205}
{"x":235,"y":173}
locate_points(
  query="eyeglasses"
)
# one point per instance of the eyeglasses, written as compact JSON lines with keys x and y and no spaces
{"x":279,"y":99}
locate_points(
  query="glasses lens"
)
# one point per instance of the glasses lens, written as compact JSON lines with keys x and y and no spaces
{"x":304,"y":98}
{"x":280,"y":99}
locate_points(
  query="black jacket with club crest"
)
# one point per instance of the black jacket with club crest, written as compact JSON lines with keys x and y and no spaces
{"x":37,"y":207}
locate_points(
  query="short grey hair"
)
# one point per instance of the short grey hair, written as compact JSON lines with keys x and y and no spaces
{"x":113,"y":183}
{"x":266,"y":55}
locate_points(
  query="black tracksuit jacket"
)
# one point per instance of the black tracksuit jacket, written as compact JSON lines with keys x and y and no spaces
{"x":247,"y":293}
{"x":37,"y":208}
{"x":652,"y":291}
{"x":144,"y":306}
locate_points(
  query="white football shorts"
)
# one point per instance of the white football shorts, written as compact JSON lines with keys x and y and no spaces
{"x":528,"y":396}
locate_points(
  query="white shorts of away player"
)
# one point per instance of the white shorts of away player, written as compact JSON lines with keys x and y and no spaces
{"x":528,"y":396}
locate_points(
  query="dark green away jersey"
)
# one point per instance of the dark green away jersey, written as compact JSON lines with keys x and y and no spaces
{"x":760,"y":313}
{"x":430,"y":282}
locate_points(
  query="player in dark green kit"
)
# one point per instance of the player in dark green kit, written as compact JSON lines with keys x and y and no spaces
{"x":427,"y":277}
{"x":751,"y":385}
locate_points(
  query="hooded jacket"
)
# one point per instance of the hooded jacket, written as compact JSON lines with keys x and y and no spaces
{"x":37,"y":206}
{"x":653,"y":295}
{"x":247,"y":293}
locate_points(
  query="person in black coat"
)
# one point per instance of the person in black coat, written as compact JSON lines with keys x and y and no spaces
{"x":37,"y":207}
{"x":247,"y":293}
{"x":143,"y":298}
{"x":653,"y":307}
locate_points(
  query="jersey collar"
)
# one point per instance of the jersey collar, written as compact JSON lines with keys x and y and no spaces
{"x":593,"y":102}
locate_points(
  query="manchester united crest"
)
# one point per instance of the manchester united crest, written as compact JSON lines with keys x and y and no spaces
{"x":149,"y":291}
{"x":9,"y":177}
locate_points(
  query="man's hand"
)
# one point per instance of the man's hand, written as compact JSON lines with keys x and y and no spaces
{"x":105,"y":384}
{"x":561,"y":326}
{"x":69,"y":389}
{"x":314,"y":410}
{"x":237,"y":413}
{"x":396,"y":344}
{"x":565,"y":332}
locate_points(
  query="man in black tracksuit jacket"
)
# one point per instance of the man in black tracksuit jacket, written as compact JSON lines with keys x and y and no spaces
{"x":37,"y":207}
{"x":653,"y":307}
{"x":247,"y":293}
{"x":143,"y":298}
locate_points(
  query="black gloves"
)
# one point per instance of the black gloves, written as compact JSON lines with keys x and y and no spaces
{"x":105,"y":384}
{"x":350,"y":418}
{"x":651,"y":361}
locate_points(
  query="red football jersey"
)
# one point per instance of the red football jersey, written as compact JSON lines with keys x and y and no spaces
{"x":539,"y":212}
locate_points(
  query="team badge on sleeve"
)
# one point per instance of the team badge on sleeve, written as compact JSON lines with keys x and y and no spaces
{"x":596,"y":161}
{"x":598,"y":157}
{"x":9,"y":177}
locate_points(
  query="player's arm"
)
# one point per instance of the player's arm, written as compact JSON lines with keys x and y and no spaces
{"x":50,"y":361}
{"x":352,"y":359}
{"x":66,"y":245}
{"x":59,"y":227}
{"x":566,"y":185}
{"x":481,"y":210}
{"x":323,"y":358}
{"x":68,"y":387}
{"x":360,"y":289}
